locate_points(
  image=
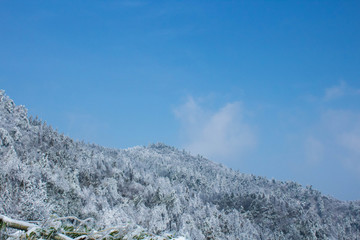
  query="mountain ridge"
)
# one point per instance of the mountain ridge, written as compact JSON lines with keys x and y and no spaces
{"x":158,"y":187}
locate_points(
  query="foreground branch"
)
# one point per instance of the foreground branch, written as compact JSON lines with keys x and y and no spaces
{"x":25,"y":226}
{"x":12,"y":223}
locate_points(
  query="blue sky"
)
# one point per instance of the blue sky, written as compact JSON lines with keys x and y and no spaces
{"x":266,"y":87}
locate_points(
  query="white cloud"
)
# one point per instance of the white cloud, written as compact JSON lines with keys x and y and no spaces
{"x":84,"y":126}
{"x":335,"y":91}
{"x":314,"y":150}
{"x":132,"y":3}
{"x":338,"y":131}
{"x":222,"y":135}
{"x":340,"y":90}
{"x":337,"y":137}
{"x":351,"y":140}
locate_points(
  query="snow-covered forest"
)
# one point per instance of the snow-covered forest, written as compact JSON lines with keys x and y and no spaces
{"x":157,"y":188}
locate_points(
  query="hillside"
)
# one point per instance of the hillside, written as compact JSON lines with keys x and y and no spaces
{"x":157,"y":187}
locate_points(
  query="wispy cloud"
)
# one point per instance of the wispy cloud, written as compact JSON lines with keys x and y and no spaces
{"x":220,"y":135}
{"x":337,"y":137}
{"x":334,"y":134}
{"x":340,"y":90}
{"x":335,"y":91}
{"x":314,"y":150}
{"x":132,"y":3}
{"x":84,"y":126}
{"x":351,"y":140}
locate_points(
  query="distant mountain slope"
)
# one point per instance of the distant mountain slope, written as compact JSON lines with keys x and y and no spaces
{"x":157,"y":187}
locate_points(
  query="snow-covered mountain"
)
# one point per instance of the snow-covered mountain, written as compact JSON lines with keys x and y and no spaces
{"x":157,"y":187}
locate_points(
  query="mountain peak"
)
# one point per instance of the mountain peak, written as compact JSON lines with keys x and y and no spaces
{"x":158,"y":188}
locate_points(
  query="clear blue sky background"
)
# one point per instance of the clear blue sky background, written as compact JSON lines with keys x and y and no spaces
{"x":266,"y":87}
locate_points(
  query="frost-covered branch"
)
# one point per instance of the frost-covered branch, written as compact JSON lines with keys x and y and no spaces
{"x":20,"y":225}
{"x":25,"y":226}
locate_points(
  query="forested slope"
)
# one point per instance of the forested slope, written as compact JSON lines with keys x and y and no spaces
{"x":156,"y":187}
